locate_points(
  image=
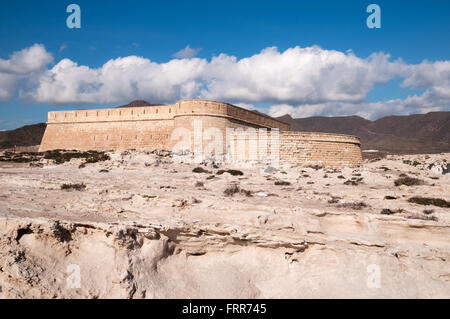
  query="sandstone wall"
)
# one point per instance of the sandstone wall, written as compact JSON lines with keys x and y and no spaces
{"x":299,"y":147}
{"x":165,"y":126}
{"x":136,"y":127}
{"x":320,"y":148}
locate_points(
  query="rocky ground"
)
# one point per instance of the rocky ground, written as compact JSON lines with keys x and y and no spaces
{"x":136,"y":224}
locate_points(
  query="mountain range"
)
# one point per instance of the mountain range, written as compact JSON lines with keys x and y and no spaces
{"x":409,"y":134}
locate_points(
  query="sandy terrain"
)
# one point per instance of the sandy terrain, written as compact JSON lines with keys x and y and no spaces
{"x":146,"y":227}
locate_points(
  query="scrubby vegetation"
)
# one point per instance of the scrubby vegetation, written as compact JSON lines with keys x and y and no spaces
{"x":235,"y":189}
{"x":387,"y":211}
{"x":408,"y":181}
{"x":200,"y":170}
{"x":24,"y":157}
{"x":77,"y":187}
{"x":60,"y":156}
{"x":408,"y":162}
{"x":315,"y":167}
{"x":199,"y":184}
{"x":423,"y":217}
{"x":233,"y":172}
{"x":282,"y":183}
{"x":355,"y":206}
{"x":430,"y":201}
{"x":334,"y":200}
{"x":353,"y":182}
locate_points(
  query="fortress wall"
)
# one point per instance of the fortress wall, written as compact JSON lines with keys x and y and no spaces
{"x":212,"y":128}
{"x":320,"y":148}
{"x":105,"y":129}
{"x":107,"y":135}
{"x":303,"y":148}
{"x":231,"y":112}
{"x":162,"y":112}
{"x":152,"y":127}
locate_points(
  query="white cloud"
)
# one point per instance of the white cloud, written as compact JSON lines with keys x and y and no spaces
{"x":8,"y":85}
{"x":299,"y":81}
{"x":26,"y":60}
{"x":21,"y":64}
{"x":118,"y":80}
{"x":298,"y":75}
{"x":187,"y":52}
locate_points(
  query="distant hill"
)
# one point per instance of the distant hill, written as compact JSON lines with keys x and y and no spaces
{"x":409,"y":134}
{"x":24,"y":136}
{"x":137,"y":103}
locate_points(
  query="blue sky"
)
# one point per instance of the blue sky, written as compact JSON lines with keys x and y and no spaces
{"x":412,"y":31}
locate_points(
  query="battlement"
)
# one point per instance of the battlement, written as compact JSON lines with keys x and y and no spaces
{"x":168,"y":112}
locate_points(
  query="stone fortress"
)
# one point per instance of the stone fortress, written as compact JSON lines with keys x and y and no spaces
{"x":154,"y":127}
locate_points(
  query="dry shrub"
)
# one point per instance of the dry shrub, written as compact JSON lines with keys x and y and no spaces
{"x":422,"y":217}
{"x":233,"y":172}
{"x":199,"y":184}
{"x":429,"y":201}
{"x":282,"y":183}
{"x":77,"y":187}
{"x":408,"y":181}
{"x":355,"y":206}
{"x":200,"y":170}
{"x":235,"y":189}
{"x":60,"y":156}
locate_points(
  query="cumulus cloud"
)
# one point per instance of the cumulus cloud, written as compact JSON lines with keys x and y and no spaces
{"x":298,"y":81}
{"x":8,"y":84}
{"x":118,"y":80}
{"x":298,"y":75}
{"x":187,"y":52}
{"x":22,"y":64}
{"x":26,"y":60}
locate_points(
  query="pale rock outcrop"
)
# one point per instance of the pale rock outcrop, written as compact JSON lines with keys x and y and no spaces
{"x":144,"y":230}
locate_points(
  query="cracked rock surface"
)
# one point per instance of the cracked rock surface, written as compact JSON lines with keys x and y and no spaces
{"x":149,"y":227}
